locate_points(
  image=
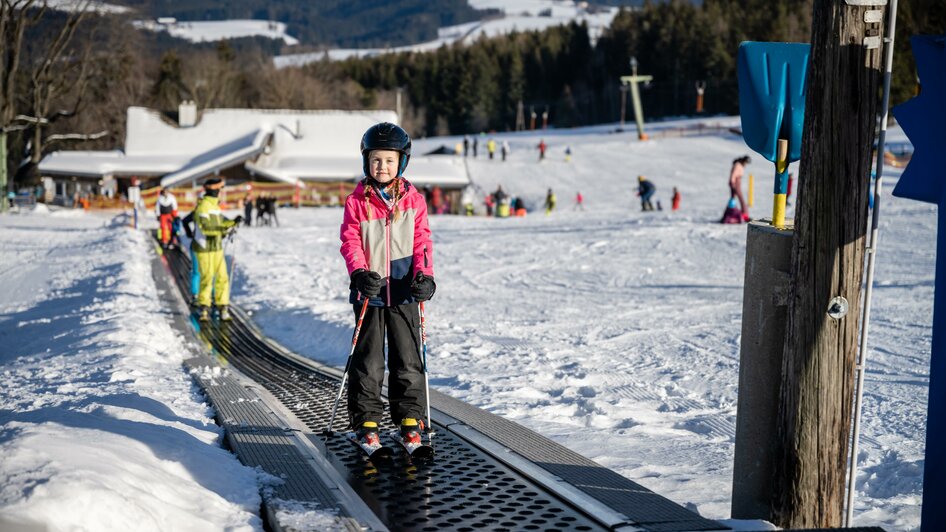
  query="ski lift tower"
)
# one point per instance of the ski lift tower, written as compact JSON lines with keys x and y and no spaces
{"x":632,"y":82}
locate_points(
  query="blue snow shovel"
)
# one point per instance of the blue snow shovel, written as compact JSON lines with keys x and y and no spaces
{"x":772,"y":81}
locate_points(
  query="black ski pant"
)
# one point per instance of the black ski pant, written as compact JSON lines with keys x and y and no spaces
{"x":401,"y":325}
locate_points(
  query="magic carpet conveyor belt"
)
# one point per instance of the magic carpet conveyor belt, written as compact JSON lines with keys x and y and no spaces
{"x":488,"y":473}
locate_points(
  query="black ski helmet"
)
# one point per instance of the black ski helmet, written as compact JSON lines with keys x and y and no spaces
{"x":386,"y":136}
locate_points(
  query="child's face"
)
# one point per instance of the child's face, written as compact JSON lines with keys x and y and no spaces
{"x":383,"y":165}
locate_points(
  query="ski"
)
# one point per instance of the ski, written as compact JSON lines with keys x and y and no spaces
{"x":374,"y":452}
{"x":415,"y":450}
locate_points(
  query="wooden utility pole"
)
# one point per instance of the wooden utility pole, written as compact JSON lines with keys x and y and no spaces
{"x":817,"y":386}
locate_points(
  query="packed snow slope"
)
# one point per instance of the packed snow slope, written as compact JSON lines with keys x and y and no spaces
{"x":100,"y":427}
{"x":614,"y":331}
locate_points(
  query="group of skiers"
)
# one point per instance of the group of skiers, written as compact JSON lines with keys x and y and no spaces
{"x":265,"y":206}
{"x":437,"y":201}
{"x":205,"y":227}
{"x":500,"y":204}
{"x":646,"y":190}
{"x":491,"y":146}
{"x":543,"y":147}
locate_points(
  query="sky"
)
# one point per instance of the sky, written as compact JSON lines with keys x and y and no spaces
{"x":612,"y":331}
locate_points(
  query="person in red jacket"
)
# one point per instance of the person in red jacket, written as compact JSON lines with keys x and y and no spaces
{"x":542,"y":147}
{"x":165,"y":208}
{"x":676,"y":199}
{"x":388,"y":251}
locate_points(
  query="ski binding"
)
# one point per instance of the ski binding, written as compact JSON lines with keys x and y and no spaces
{"x":374,"y":451}
{"x":415,"y":450}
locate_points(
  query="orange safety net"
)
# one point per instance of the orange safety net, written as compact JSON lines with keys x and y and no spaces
{"x":304,"y":194}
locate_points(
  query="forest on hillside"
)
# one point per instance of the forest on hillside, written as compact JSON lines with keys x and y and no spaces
{"x":106,"y":67}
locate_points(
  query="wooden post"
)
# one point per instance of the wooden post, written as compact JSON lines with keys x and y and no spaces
{"x":3,"y":171}
{"x":817,"y":386}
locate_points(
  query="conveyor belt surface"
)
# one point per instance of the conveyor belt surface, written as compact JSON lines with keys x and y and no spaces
{"x":487,"y":474}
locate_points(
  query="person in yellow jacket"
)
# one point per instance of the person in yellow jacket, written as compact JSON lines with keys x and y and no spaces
{"x":212,"y":227}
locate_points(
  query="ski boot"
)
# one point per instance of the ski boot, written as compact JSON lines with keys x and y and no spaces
{"x":225,"y":313}
{"x":203,"y":314}
{"x":367,"y":435}
{"x":410,"y":431}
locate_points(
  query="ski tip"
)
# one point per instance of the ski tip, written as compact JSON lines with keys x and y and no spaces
{"x":423,"y":453}
{"x":384,"y":453}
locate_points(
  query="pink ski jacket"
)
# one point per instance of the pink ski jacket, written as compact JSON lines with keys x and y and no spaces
{"x":396,"y":249}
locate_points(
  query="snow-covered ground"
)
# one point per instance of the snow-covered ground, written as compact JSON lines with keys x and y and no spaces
{"x":86,"y":5}
{"x":517,"y":15}
{"x":612,"y":331}
{"x":100,"y":427}
{"x":218,"y":30}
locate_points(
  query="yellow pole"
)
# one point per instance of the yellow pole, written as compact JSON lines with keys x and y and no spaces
{"x":781,"y":185}
{"x":751,"y":189}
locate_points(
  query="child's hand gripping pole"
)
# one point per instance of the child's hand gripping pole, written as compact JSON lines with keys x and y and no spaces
{"x":354,"y":342}
{"x":781,"y":185}
{"x":423,"y":352}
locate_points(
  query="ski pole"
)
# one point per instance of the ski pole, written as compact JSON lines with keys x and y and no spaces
{"x":423,"y":340}
{"x":232,"y":243}
{"x":354,"y":341}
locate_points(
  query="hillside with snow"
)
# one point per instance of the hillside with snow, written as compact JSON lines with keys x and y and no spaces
{"x":517,"y":15}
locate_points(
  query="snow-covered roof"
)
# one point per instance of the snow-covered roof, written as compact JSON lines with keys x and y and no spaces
{"x":107,"y":163}
{"x":443,"y":170}
{"x":282,"y":145}
{"x":221,"y":157}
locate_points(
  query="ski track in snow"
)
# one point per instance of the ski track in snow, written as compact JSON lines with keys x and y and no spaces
{"x":616,"y":332}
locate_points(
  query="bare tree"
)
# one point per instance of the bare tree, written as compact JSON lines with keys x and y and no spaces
{"x":57,"y":74}
{"x":15,"y":17}
{"x":40,"y":79}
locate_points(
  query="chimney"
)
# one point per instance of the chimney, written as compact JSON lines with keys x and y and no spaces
{"x":187,"y":113}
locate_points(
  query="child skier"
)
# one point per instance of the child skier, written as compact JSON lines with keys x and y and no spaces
{"x":549,"y":202}
{"x":645,"y":189}
{"x":387,"y":248}
{"x":165,"y":208}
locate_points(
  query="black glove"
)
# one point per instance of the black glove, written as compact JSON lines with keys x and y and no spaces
{"x":423,"y":287}
{"x":366,"y":282}
{"x":238,"y":219}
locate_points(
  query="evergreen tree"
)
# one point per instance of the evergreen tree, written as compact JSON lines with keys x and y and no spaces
{"x":169,"y":85}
